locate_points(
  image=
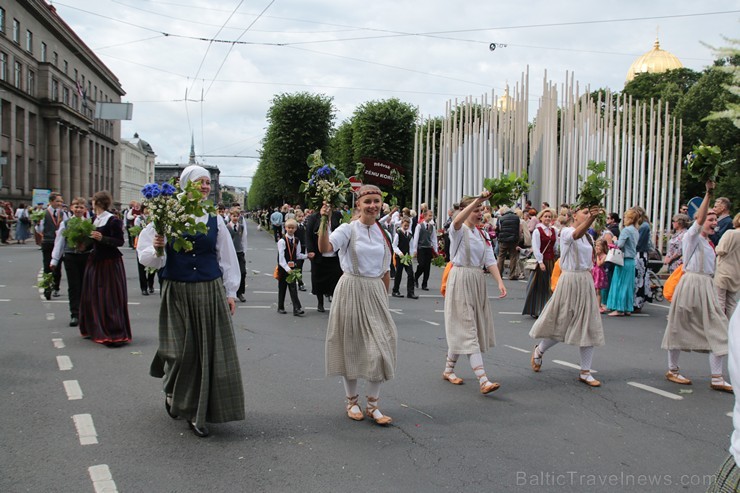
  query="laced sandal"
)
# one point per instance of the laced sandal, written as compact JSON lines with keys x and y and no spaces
{"x":486,"y":386}
{"x":588,"y":379}
{"x":449,"y":373}
{"x":722,"y":385}
{"x":675,"y":377}
{"x":352,"y":403}
{"x":370,"y":410}
{"x":533,"y":361}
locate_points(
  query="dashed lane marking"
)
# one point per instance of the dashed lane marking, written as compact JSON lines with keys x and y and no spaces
{"x":58,"y":343}
{"x":50,"y":316}
{"x":509,"y":313}
{"x":64,"y":363}
{"x":72,"y":387}
{"x":265,"y":292}
{"x":729,"y":414}
{"x":102,"y":479}
{"x":397,"y":311}
{"x":256,"y":306}
{"x":655,"y":391}
{"x":518,"y":349}
{"x":134,"y":303}
{"x":430,"y":323}
{"x":4,"y":300}
{"x":569,"y":365}
{"x":85,"y":429}
{"x":439,"y":311}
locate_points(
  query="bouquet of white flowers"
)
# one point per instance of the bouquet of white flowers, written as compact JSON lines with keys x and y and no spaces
{"x":325,"y":183}
{"x":173,"y":214}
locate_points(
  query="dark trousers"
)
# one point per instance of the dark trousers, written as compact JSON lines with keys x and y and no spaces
{"x":399,"y":275}
{"x":4,"y":231}
{"x":277,"y":232}
{"x":508,"y":250}
{"x":46,"y":250}
{"x":424,"y":257}
{"x":146,"y":281}
{"x":242,"y":271}
{"x":292,"y":288}
{"x":74,"y":265}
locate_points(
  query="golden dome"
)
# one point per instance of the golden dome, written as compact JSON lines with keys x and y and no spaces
{"x":504,"y":102}
{"x":655,"y":61}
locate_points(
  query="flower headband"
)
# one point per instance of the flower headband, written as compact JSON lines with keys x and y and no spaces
{"x":369,"y":191}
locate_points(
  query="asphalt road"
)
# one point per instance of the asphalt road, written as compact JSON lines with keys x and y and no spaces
{"x":539,"y":432}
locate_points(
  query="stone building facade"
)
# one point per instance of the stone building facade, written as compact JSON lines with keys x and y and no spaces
{"x":50,"y":81}
{"x":137,"y":168}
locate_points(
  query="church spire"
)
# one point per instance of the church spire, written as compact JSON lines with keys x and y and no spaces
{"x":192,"y":149}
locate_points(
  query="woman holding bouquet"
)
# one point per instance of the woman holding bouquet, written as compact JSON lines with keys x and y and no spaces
{"x":104,"y":298}
{"x":361,"y":335}
{"x":572,"y":313}
{"x":197,"y":348}
{"x":468,"y":319}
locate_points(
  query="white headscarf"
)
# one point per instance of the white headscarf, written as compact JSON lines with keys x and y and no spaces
{"x":192,"y":173}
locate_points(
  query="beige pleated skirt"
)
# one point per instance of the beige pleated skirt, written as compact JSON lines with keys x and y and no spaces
{"x":361,"y":336}
{"x":695,"y":320}
{"x":468,"y":319}
{"x":572,"y":313}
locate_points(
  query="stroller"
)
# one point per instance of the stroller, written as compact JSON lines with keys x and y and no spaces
{"x":656,"y":283}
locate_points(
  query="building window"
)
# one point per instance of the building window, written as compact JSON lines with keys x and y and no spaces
{"x":29,"y":41}
{"x":74,"y":99}
{"x":43,"y":51}
{"x":76,"y":76}
{"x":55,"y":59}
{"x":54,"y":90}
{"x":31,"y":82}
{"x":3,"y":66}
{"x":18,"y":73}
{"x":16,"y":31}
{"x":2,"y":20}
{"x":65,"y":95}
{"x":66,"y":66}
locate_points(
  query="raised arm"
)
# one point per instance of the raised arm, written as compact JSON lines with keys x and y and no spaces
{"x":701,"y":214}
{"x":463,"y":214}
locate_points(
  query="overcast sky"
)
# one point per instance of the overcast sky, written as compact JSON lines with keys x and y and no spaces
{"x":424,"y":52}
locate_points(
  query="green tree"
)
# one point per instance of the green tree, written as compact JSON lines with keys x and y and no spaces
{"x":298,"y":124}
{"x":341,"y":153}
{"x":669,"y":86}
{"x":385,"y":130}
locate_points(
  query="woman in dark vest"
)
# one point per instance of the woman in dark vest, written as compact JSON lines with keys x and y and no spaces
{"x":104,"y":297}
{"x":197,"y":348}
{"x":544,"y":238}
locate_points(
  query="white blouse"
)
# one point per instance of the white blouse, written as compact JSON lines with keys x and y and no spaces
{"x":225,"y":254}
{"x":577,"y":254}
{"x":537,"y":242}
{"x":281,"y":247}
{"x":481,"y":253}
{"x":370,"y":244}
{"x":692,"y":242}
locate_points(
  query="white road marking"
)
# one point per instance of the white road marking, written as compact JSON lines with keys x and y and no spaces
{"x":256,"y":306}
{"x":265,"y":292}
{"x":397,"y":311}
{"x":430,"y":323}
{"x":72,"y":387}
{"x":64,"y":363}
{"x":256,"y":272}
{"x":58,"y":343}
{"x":729,"y":414}
{"x":509,"y":313}
{"x":569,"y":365}
{"x":639,"y":315}
{"x":4,"y":300}
{"x":268,"y":275}
{"x":431,"y":296}
{"x":102,"y":479}
{"x":85,"y":429}
{"x":518,"y":349}
{"x":439,"y":311}
{"x":667,"y":307}
{"x":50,"y":316}
{"x":134,"y":303}
{"x":655,"y":391}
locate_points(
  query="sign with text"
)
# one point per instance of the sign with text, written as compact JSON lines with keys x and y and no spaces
{"x":378,"y":171}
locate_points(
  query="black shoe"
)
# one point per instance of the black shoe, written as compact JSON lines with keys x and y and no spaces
{"x":242,"y":298}
{"x":424,"y":288}
{"x":47,"y":294}
{"x":151,"y":289}
{"x":320,"y":309}
{"x":396,"y":294}
{"x":281,"y":311}
{"x":298,"y":313}
{"x":168,"y":407}
{"x":199,"y":432}
{"x":56,"y":293}
{"x":74,"y":322}
{"x":144,"y":292}
{"x":301,"y":287}
{"x":413,"y":296}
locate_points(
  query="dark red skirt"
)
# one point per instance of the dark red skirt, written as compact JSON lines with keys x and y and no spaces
{"x":104,"y":302}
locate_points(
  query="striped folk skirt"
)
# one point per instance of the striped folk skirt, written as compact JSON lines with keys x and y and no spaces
{"x":361,"y":337}
{"x":468,"y":319}
{"x":695,"y":320}
{"x":622,"y":288}
{"x":104,"y":302}
{"x":572,"y":314}
{"x":727,"y":479}
{"x":197,"y":353}
{"x":539,"y":289}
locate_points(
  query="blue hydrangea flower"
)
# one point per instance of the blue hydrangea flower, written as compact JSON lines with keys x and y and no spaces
{"x":168,"y":190}
{"x":324,"y":171}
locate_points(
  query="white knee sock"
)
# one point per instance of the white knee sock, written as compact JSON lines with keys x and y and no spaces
{"x":350,"y":387}
{"x":717,"y":364}
{"x":546,"y":344}
{"x":450,"y":364}
{"x":372,"y":390}
{"x":476,"y":363}
{"x":673,"y":355}
{"x":587,"y":355}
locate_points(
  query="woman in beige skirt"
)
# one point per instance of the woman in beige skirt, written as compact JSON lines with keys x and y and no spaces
{"x":468,"y":320}
{"x":695,"y":320}
{"x":572,"y":313}
{"x":361,"y":336}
